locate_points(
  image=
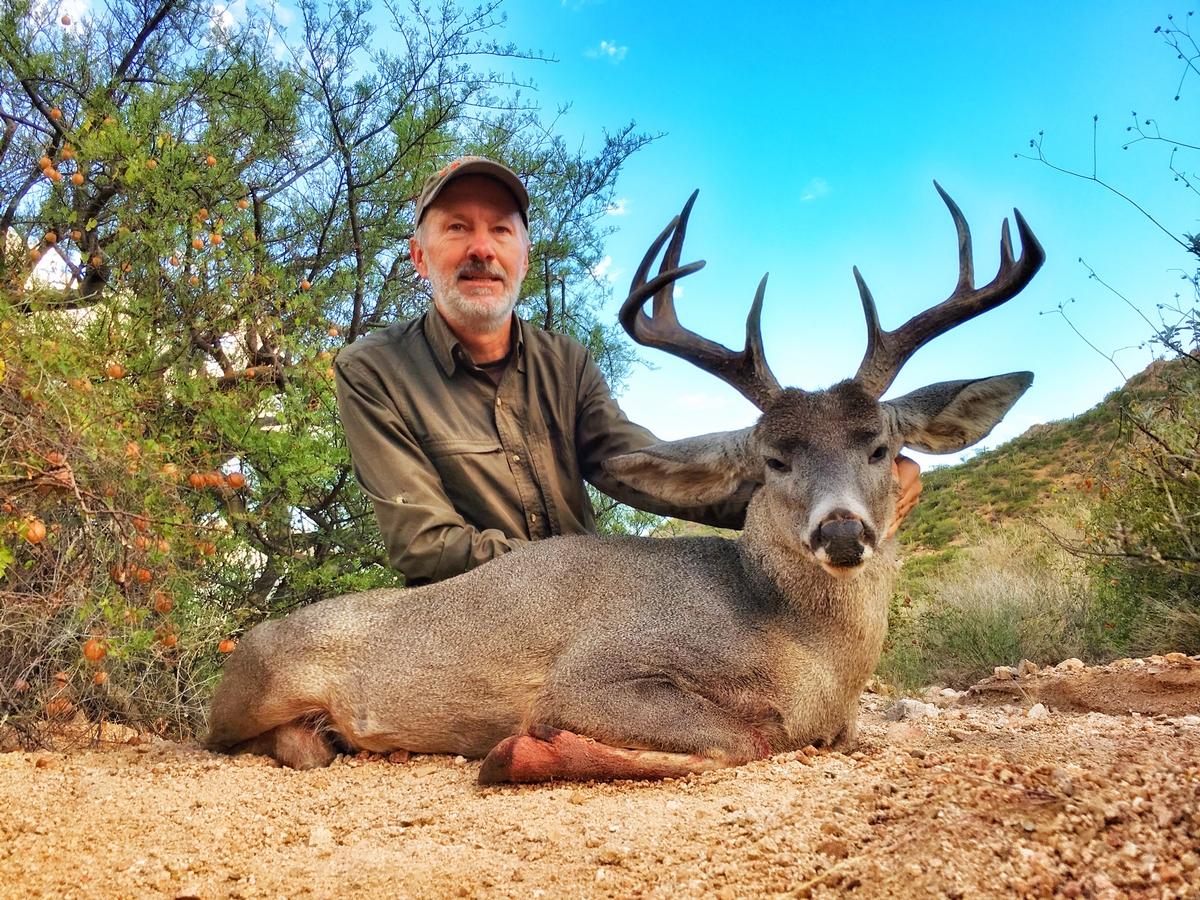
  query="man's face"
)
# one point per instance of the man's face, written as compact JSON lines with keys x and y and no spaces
{"x":474,"y":250}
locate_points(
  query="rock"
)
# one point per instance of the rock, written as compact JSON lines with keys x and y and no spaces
{"x":1037,"y":711}
{"x":1027,"y":668}
{"x":612,"y":856}
{"x":911,"y":709}
{"x":1069,"y":665}
{"x":834,"y":849}
{"x":320,"y":836}
{"x":1003,"y":673}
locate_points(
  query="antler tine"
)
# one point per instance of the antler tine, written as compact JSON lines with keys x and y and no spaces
{"x":747,"y":371}
{"x":888,"y":351}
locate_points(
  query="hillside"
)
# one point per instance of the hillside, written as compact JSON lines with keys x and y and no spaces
{"x":1028,"y":474}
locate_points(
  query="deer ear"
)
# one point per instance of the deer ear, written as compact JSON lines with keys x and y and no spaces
{"x":953,"y":415}
{"x":692,"y":472}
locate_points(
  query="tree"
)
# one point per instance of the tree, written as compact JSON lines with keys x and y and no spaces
{"x":1143,"y":539}
{"x":223,"y":217}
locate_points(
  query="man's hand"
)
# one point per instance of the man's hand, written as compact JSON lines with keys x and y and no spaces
{"x":908,"y":474}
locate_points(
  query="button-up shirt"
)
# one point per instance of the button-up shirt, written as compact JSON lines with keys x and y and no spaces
{"x":461,"y":469}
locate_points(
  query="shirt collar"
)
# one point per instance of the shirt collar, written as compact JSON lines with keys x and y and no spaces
{"x":449,"y":351}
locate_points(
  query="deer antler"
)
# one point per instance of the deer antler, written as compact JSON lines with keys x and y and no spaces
{"x":888,"y":351}
{"x":747,"y":371}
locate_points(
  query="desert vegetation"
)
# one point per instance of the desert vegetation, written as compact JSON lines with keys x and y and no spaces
{"x":197,"y":214}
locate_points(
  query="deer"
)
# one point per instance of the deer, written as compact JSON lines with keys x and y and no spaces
{"x":585,"y":658}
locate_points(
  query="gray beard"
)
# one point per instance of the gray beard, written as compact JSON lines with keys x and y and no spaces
{"x":476,"y":314}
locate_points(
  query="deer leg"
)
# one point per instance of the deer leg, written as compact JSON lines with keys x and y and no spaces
{"x":642,"y":728}
{"x":551,"y":754}
{"x":300,"y":744}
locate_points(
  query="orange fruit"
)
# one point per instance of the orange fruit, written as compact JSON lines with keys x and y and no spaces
{"x":170,"y":469}
{"x":236,"y":480}
{"x":141,"y":523}
{"x":62,"y":678}
{"x":66,"y":20}
{"x":99,"y":678}
{"x":68,"y":152}
{"x":140,"y":542}
{"x":76,"y":235}
{"x":20,"y":686}
{"x":212,"y":479}
{"x":45,"y":162}
{"x":109,"y":120}
{"x":97,"y":261}
{"x":35,"y":254}
{"x":333,"y":332}
{"x":170,"y":640}
{"x":56,"y":113}
{"x":77,"y":178}
{"x":196,"y":479}
{"x":215,"y":238}
{"x":35,"y":532}
{"x":94,"y":650}
{"x":51,"y":237}
{"x":305,"y":284}
{"x":227,"y":645}
{"x":54,"y":175}
{"x":211,"y":160}
{"x":194,"y":280}
{"x":144,"y":576}
{"x":59,"y":706}
{"x":162,"y":603}
{"x":115,"y":370}
{"x":163,"y":546}
{"x":243,"y":203}
{"x":174,"y":260}
{"x":203,"y":214}
{"x":198,"y":243}
{"x":152,"y":164}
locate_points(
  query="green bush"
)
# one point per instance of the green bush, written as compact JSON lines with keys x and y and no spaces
{"x":1008,"y":595}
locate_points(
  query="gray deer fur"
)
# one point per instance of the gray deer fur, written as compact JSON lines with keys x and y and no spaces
{"x":717,"y":651}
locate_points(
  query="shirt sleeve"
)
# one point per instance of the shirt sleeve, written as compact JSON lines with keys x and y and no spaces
{"x":603,"y":431}
{"x":426,"y":539}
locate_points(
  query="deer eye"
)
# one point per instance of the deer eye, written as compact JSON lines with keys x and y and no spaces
{"x":777,"y":465}
{"x":880,"y":454}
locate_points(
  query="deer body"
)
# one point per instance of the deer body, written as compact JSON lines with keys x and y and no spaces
{"x":708,"y":656}
{"x":666,"y":656}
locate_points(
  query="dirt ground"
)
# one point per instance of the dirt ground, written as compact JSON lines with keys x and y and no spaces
{"x":1000,"y":792}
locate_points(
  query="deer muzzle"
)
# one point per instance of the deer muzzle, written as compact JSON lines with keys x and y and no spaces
{"x":841,"y":542}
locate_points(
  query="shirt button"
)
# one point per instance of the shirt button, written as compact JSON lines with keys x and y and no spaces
{"x":499,"y":402}
{"x":516,"y":457}
{"x":533,"y":517}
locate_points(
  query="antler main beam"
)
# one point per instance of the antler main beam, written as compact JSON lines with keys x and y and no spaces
{"x":888,"y":351}
{"x":746,"y":370}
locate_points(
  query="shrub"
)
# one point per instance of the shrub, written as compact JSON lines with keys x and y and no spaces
{"x":1008,"y":595}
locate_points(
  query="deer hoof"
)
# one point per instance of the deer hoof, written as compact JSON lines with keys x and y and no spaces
{"x":526,"y":757}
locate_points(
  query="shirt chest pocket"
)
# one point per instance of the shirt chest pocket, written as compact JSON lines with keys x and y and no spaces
{"x":473,"y":471}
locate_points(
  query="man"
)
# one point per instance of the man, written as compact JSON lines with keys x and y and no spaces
{"x":472,"y":431}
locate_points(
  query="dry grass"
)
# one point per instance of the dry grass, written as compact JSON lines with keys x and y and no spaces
{"x":1010,"y":594}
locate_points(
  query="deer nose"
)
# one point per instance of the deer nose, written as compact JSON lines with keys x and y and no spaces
{"x":841,"y":538}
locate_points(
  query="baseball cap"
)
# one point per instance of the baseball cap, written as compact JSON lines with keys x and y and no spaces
{"x":473,"y":165}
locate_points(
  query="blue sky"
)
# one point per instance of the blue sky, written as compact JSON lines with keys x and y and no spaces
{"x":814,"y":134}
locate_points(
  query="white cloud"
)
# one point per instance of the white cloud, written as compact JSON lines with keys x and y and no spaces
{"x":601,"y":273}
{"x":608,"y":50}
{"x":818,"y":187}
{"x":618,"y":207}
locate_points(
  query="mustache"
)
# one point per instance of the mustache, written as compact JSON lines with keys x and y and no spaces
{"x":477,"y":267}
